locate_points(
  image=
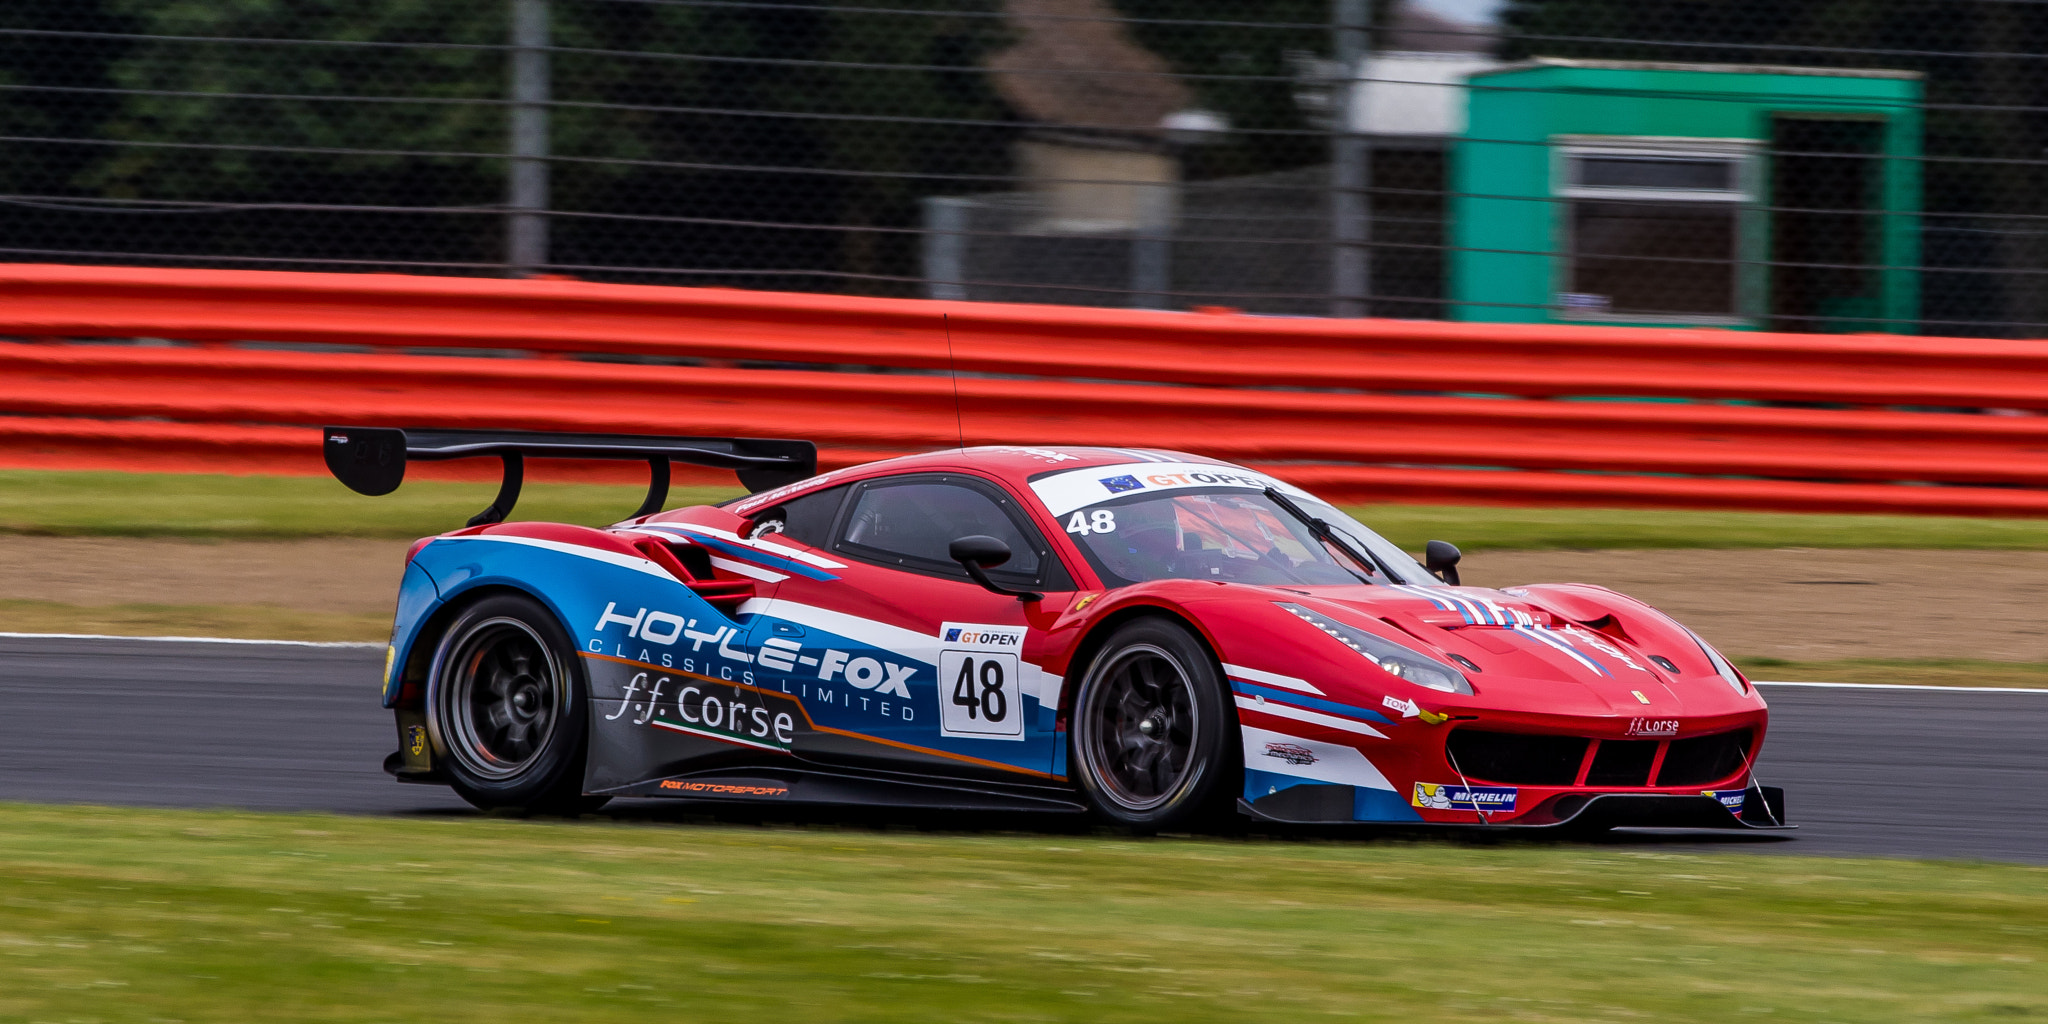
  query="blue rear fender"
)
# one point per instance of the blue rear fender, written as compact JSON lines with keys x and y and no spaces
{"x":418,"y":600}
{"x":603,"y":600}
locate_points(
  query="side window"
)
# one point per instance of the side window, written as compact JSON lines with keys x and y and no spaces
{"x":914,"y":522}
{"x":806,"y":519}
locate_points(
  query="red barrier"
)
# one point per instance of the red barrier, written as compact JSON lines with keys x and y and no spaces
{"x":1329,"y":403}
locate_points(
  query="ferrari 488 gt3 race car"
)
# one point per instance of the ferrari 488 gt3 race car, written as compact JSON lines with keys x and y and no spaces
{"x":1157,"y":638}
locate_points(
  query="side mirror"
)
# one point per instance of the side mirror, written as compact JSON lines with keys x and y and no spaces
{"x":978,"y":554}
{"x":1441,"y":557}
{"x":987,"y":552}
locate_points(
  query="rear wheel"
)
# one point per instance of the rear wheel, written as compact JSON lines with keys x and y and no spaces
{"x":507,"y":707}
{"x":1153,"y":732}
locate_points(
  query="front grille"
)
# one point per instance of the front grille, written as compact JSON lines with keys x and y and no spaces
{"x":1703,"y":759}
{"x":1530,"y":759}
{"x":1517,"y":758}
{"x":1622,"y":763}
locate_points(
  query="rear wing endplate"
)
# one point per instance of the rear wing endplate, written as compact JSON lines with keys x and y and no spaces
{"x":371,"y":460}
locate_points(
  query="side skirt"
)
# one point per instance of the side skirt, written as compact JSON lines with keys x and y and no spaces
{"x":785,"y":783}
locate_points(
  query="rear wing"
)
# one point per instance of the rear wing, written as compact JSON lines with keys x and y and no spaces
{"x":371,"y":460}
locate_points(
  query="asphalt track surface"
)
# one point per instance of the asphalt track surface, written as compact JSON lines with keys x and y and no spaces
{"x":1868,"y":772}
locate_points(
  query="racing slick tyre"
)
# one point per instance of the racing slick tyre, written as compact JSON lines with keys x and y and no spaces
{"x":509,"y":710}
{"x":1154,"y":736}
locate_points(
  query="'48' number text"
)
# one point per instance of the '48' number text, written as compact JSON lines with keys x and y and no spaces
{"x":1102,"y":520}
{"x":978,"y":695}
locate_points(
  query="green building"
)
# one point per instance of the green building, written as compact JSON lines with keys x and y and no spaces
{"x":1718,"y":195}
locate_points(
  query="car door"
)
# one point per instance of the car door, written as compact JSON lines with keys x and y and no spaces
{"x":895,"y":653}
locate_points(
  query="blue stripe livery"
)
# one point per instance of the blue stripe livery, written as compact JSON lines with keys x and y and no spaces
{"x":1305,"y":701}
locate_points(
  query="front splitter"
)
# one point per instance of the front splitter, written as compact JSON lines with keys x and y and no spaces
{"x":1763,"y":810}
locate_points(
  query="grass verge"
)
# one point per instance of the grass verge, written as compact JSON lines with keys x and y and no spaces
{"x":200,"y":505}
{"x":165,"y":504}
{"x":119,"y":915}
{"x":244,"y":622}
{"x":1475,"y":528}
{"x":1929,"y":672}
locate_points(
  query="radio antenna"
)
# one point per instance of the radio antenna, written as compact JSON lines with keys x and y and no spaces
{"x":953,"y":370}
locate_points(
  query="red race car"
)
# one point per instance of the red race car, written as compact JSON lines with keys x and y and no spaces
{"x":1155,"y":638}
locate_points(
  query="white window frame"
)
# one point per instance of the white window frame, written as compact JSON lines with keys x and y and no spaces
{"x":1746,"y":154}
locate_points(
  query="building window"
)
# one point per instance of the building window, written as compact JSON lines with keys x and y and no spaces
{"x":1653,"y":228}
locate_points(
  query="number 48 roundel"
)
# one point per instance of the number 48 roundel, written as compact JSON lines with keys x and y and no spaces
{"x":978,"y":695}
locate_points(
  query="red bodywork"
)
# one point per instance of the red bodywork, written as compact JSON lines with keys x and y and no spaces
{"x":1552,"y":660}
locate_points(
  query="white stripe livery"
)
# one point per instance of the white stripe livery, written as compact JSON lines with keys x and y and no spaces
{"x":1562,"y":643}
{"x":633,"y":562}
{"x":1280,"y":710}
{"x":762,"y":544}
{"x":749,"y":570}
{"x":1253,"y":675}
{"x":1484,"y":612}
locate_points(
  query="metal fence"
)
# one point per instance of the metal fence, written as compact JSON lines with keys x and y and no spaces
{"x":1877,"y":165}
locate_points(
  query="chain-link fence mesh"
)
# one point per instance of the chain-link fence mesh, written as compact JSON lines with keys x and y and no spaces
{"x":1822,"y":165}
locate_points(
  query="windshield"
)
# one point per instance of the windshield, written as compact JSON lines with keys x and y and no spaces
{"x":1228,"y":534}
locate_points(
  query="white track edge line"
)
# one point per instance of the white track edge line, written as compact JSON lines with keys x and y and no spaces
{"x":1904,"y":686}
{"x":189,"y":640}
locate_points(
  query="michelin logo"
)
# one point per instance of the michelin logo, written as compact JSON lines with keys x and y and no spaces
{"x":1440,"y":797}
{"x":1730,"y":798}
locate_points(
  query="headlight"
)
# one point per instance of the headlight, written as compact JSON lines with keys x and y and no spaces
{"x":1392,"y":658}
{"x":1721,"y":666}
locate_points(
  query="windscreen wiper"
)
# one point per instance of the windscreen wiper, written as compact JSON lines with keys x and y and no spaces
{"x":1324,"y":532}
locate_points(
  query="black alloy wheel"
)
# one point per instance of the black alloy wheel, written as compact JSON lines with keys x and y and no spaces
{"x":507,"y":711}
{"x":1153,"y":732}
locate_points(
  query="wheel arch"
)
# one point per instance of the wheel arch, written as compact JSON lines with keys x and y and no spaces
{"x":1098,"y":634}
{"x":561,"y":758}
{"x":426,"y":640}
{"x":1089,"y":649}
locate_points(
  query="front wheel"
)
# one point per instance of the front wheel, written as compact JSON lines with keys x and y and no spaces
{"x":1154,"y":735}
{"x":506,"y":706}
